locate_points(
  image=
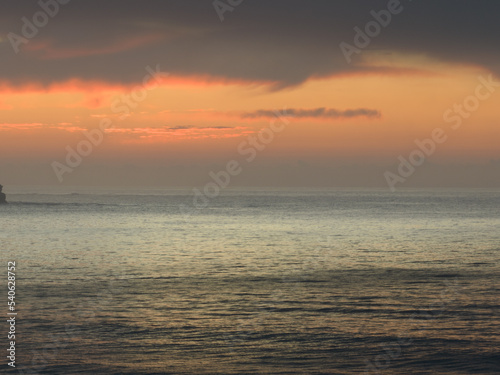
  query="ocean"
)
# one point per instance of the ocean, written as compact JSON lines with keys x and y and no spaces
{"x":257,"y":282}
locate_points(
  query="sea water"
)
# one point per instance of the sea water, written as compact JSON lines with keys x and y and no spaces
{"x":254,"y":282}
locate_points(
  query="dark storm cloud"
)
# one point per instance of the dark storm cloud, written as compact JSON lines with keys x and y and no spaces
{"x":281,"y":42}
{"x":315,"y":113}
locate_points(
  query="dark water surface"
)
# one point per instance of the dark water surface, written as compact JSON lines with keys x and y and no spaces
{"x":258,"y":282}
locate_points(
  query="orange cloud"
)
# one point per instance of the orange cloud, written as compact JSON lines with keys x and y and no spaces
{"x":177,"y":133}
{"x":73,"y":85}
{"x":24,"y":126}
{"x":78,"y":85}
{"x":28,"y":127}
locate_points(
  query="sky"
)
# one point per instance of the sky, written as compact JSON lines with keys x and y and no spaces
{"x":163,"y":93}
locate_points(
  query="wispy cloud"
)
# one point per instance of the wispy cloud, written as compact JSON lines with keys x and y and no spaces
{"x":323,"y":113}
{"x":25,"y":126}
{"x":180,"y":132}
{"x":187,"y":127}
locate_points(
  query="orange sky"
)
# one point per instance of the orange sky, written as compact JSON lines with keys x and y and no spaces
{"x":42,"y":123}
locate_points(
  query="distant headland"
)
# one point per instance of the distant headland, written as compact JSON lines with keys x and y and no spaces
{"x":3,"y":197}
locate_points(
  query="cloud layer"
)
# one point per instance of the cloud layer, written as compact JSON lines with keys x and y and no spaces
{"x":278,"y":42}
{"x":322,"y":113}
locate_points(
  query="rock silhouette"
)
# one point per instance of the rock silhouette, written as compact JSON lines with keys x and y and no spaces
{"x":3,"y":197}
